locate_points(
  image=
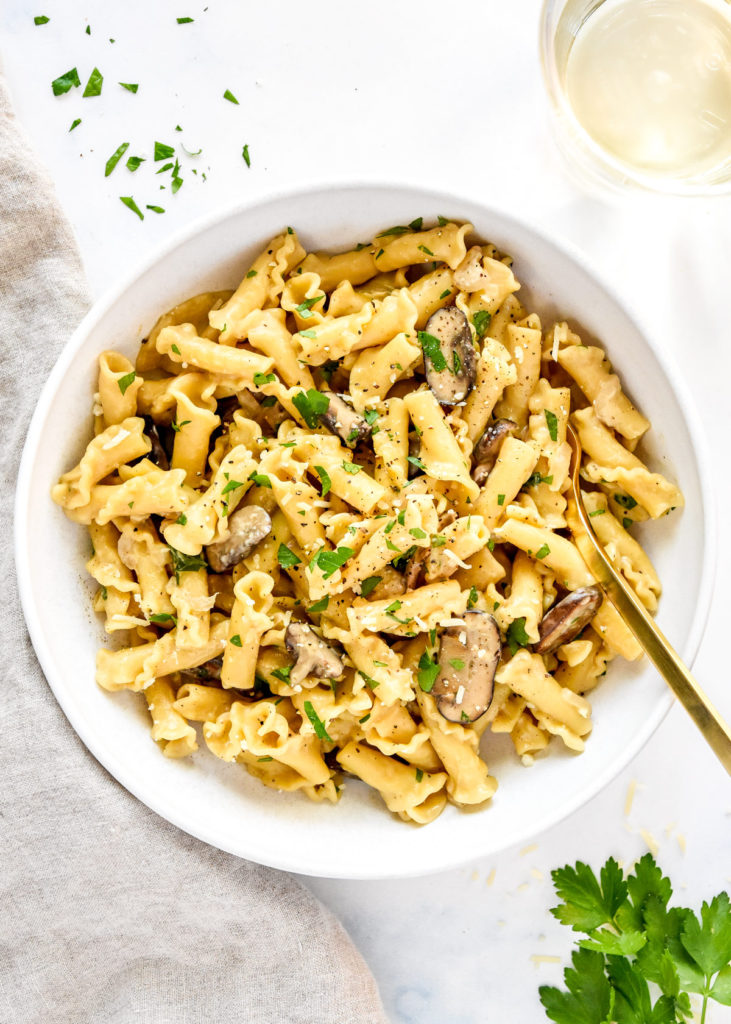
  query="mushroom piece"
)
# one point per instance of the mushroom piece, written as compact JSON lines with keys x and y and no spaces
{"x":248,"y":526}
{"x":313,"y":656}
{"x":451,"y":366}
{"x":158,"y":455}
{"x":468,"y":660}
{"x":567,"y":618}
{"x":391,"y":584}
{"x":470,"y":275}
{"x":488,"y":447}
{"x":342,"y":419}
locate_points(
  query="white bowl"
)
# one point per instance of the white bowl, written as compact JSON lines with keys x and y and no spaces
{"x":223,"y":805}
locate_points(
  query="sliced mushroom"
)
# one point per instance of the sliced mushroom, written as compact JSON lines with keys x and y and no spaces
{"x":488,"y":447}
{"x":450,"y":370}
{"x":414,"y":571}
{"x":391,"y":584}
{"x":468,"y":659}
{"x":158,"y":455}
{"x":313,"y":656}
{"x":342,"y":419}
{"x":248,"y":527}
{"x":567,"y":618}
{"x":209,"y":670}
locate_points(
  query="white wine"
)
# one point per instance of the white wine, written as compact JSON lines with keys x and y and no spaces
{"x":650,"y":81}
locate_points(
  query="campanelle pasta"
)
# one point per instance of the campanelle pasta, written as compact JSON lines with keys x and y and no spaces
{"x":329,"y":513}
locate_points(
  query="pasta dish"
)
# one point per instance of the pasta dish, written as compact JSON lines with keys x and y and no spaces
{"x":331,"y":527}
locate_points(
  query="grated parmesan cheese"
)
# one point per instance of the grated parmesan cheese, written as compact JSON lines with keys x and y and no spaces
{"x":117,"y":439}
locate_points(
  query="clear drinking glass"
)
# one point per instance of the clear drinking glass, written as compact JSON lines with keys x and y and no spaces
{"x":640,"y":91}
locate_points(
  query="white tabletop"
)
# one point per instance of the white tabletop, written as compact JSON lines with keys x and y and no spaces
{"x":441,"y":96}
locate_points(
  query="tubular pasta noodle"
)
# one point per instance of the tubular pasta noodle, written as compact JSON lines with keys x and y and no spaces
{"x":350,"y":537}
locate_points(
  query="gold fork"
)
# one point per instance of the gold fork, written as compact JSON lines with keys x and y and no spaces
{"x":716,"y":732}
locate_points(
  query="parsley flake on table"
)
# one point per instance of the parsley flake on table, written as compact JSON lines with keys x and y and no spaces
{"x":62,"y":84}
{"x":184,"y":21}
{"x":95,"y":83}
{"x":163,"y":152}
{"x":41,"y":19}
{"x":134,"y":162}
{"x":75,"y":123}
{"x":115,"y":158}
{"x":228,"y":95}
{"x":130,"y":86}
{"x":132,"y":205}
{"x":245,"y":155}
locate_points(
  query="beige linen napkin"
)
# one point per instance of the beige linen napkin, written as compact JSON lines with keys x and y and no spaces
{"x":108,"y":913}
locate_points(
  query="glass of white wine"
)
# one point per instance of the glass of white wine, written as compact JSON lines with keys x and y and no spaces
{"x":641,"y":91}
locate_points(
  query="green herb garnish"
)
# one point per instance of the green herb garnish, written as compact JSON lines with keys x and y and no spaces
{"x":625,"y":501}
{"x":65,"y":82}
{"x":481,"y":321}
{"x":163,"y":152}
{"x":228,"y":95}
{"x":94,"y":85}
{"x":163,"y":618}
{"x":427,"y":673}
{"x":317,"y":724}
{"x":552,"y":421}
{"x":124,"y":382}
{"x":245,"y":155}
{"x":41,"y":19}
{"x":132,"y":205}
{"x":319,"y":606}
{"x":328,"y":562}
{"x":115,"y":158}
{"x":472,"y":599}
{"x":432,"y":350}
{"x":542,"y":551}
{"x":369,"y":584}
{"x":75,"y":123}
{"x":305,"y":308}
{"x":130,"y":86}
{"x":324,"y":478}
{"x":134,"y":162}
{"x":516,"y":636}
{"x":264,"y":378}
{"x":351,"y":467}
{"x":186,"y":563}
{"x":286,"y":557}
{"x":311,"y":404}
{"x":416,"y":461}
{"x":236,"y":640}
{"x":260,"y":479}
{"x":184,"y":21}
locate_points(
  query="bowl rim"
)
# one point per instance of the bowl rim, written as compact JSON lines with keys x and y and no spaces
{"x":159,"y":253}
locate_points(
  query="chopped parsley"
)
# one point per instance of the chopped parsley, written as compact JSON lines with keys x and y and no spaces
{"x":328,"y":562}
{"x":251,"y":273}
{"x":364,"y":719}
{"x":264,"y":378}
{"x":124,"y":382}
{"x":182,"y":519}
{"x":481,"y":321}
{"x":132,"y":205}
{"x":352,"y":468}
{"x":625,"y":501}
{"x":231,"y":485}
{"x":552,"y":421}
{"x":163,"y":618}
{"x":245,"y":155}
{"x":324,"y":478}
{"x":516,"y":635}
{"x":419,"y":774}
{"x":369,"y":584}
{"x":438,"y":540}
{"x":445,"y":293}
{"x":228,"y":95}
{"x":305,"y":308}
{"x":75,"y":123}
{"x":424,"y":249}
{"x":317,"y":724}
{"x":432,"y":350}
{"x":442,"y":221}
{"x":177,"y":427}
{"x":427,"y":673}
{"x":163,"y":152}
{"x":94,"y":85}
{"x":457,"y":664}
{"x":65,"y":82}
{"x":184,"y":21}
{"x":399,"y":229}
{"x":417,"y":532}
{"x":115,"y":158}
{"x":130,"y":86}
{"x":282,"y":673}
{"x":416,"y":461}
{"x":542,"y":551}
{"x":41,"y":19}
{"x":627,"y":522}
{"x":260,"y":479}
{"x":286,"y":557}
{"x":311,"y":404}
{"x":472,"y":599}
{"x":501,"y":499}
{"x":134,"y":162}
{"x":319,"y":606}
{"x":236,"y":640}
{"x":186,"y":563}
{"x":597,"y":512}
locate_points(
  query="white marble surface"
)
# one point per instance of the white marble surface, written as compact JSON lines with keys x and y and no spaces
{"x":442,"y":96}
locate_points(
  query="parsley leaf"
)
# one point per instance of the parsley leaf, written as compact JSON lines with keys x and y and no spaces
{"x":184,"y":21}
{"x":245,"y":155}
{"x":589,"y":997}
{"x":132,"y":205}
{"x":369,"y":584}
{"x":427,"y":673}
{"x":432,"y":349}
{"x":481,"y":321}
{"x":311,"y":404}
{"x":186,"y":563}
{"x":260,"y":479}
{"x":517,"y":637}
{"x":115,"y":158}
{"x":41,"y":19}
{"x":130,"y":86}
{"x":317,"y":724}
{"x":228,"y":95}
{"x":134,"y":162}
{"x":163,"y":618}
{"x":552,"y":421}
{"x":163,"y":152}
{"x":155,"y":209}
{"x":328,"y":562}
{"x":94,"y":85}
{"x":75,"y":123}
{"x":416,"y":461}
{"x":325,"y":479}
{"x":286,"y":557}
{"x":65,"y":82}
{"x":319,"y":606}
{"x":124,"y":382}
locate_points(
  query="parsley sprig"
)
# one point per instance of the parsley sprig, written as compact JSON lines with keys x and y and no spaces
{"x":634,"y":939}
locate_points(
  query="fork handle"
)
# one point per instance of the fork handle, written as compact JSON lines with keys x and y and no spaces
{"x":668,"y":663}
